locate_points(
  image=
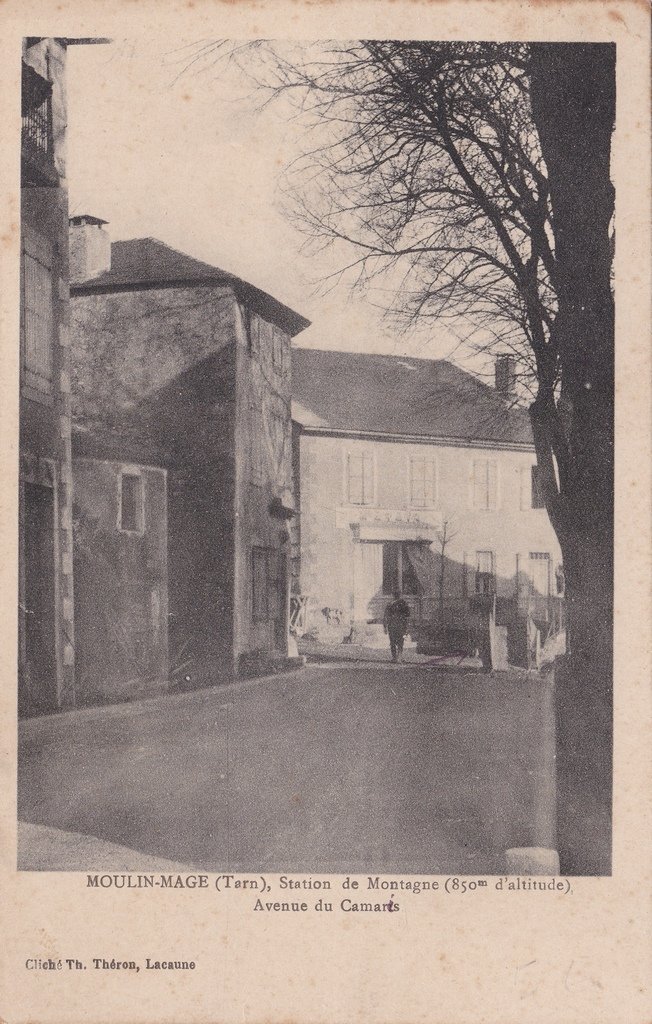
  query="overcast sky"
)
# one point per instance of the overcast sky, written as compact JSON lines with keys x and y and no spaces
{"x":188,"y":158}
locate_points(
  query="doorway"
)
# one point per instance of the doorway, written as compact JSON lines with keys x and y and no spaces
{"x":381,"y":568}
{"x":38,"y":678}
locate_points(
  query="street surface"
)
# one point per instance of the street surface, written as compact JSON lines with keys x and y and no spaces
{"x":334,"y":768}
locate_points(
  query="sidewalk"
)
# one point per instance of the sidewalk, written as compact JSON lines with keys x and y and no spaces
{"x":42,"y":848}
{"x":318,"y":651}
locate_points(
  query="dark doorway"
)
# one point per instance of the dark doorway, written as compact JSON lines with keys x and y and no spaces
{"x":38,"y":682}
{"x":280,"y":584}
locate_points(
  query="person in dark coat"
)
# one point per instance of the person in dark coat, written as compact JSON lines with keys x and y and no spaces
{"x":397,"y":615}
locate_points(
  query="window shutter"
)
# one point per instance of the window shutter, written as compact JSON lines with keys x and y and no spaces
{"x":526,"y":487}
{"x":360,"y":478}
{"x":429,"y":482}
{"x":368,"y":479}
{"x":479,"y":484}
{"x":417,"y":493}
{"x":354,"y":473}
{"x":492,"y":486}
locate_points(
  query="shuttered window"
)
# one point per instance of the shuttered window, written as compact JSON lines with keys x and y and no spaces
{"x":422,"y":482}
{"x":38,"y":323}
{"x":485,"y":485}
{"x":132,"y":518}
{"x":360,"y":478}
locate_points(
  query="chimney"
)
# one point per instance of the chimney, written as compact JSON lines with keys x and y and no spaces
{"x":90,"y":248}
{"x":506,"y":377}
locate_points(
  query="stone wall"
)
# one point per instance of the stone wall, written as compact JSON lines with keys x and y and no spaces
{"x":45,"y":411}
{"x":121,"y":583}
{"x":264,"y":477}
{"x":154,"y":383}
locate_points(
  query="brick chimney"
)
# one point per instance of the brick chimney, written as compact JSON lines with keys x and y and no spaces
{"x":506,"y":376}
{"x":90,"y":248}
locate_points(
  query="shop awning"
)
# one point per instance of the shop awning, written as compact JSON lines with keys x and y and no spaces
{"x":397,"y":531}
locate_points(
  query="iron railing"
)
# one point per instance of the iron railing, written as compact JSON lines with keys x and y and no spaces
{"x":37,"y":132}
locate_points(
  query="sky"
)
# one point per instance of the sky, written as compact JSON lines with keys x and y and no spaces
{"x":187,"y":156}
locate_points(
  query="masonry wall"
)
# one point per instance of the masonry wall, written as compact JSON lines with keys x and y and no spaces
{"x":121,"y":582}
{"x":46,"y":655}
{"x":263,"y":443}
{"x":332,"y":528}
{"x":154,"y":383}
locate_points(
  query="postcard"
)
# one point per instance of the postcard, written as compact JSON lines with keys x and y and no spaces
{"x":326,"y":513}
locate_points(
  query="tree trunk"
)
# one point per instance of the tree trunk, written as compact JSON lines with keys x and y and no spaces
{"x":573,"y":104}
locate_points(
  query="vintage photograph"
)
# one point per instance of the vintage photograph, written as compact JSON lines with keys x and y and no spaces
{"x":316,"y":456}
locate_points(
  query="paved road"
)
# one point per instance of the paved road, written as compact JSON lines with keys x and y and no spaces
{"x":332,"y":768}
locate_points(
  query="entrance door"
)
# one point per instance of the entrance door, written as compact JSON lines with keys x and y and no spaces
{"x":38,"y":686}
{"x":368,"y":578}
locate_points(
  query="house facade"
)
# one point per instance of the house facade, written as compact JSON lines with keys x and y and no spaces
{"x":414,"y":477}
{"x":182,"y":368}
{"x":46,"y":620}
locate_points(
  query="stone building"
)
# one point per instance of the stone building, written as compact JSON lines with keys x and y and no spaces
{"x":415,"y":476}
{"x":46,"y":628}
{"x":182,"y":368}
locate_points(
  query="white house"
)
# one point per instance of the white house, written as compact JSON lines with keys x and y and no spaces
{"x":414,"y":476}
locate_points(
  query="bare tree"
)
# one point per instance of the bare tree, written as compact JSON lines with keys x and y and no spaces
{"x":471,"y":181}
{"x":446,"y":534}
{"x":573,"y":100}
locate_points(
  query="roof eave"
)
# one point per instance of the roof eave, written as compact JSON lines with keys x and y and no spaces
{"x":261,"y":301}
{"x":435,"y":439}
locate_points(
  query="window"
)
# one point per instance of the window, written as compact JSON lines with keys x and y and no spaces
{"x":360,"y":478}
{"x":531,"y":492}
{"x":267,"y":584}
{"x":540,"y":572}
{"x":398,"y":571}
{"x":485,"y":576}
{"x":422,"y":482}
{"x":131,"y":503}
{"x":485,"y":485}
{"x":38,"y":323}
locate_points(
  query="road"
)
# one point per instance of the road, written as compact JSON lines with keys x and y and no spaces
{"x":334,"y":768}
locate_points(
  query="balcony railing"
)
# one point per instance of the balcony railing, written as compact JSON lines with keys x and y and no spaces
{"x":37,"y":142}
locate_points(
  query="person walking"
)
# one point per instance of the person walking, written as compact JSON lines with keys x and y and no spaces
{"x":395,"y":621}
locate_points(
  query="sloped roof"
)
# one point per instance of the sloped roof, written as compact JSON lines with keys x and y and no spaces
{"x":359,"y":393}
{"x":149,"y":263}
